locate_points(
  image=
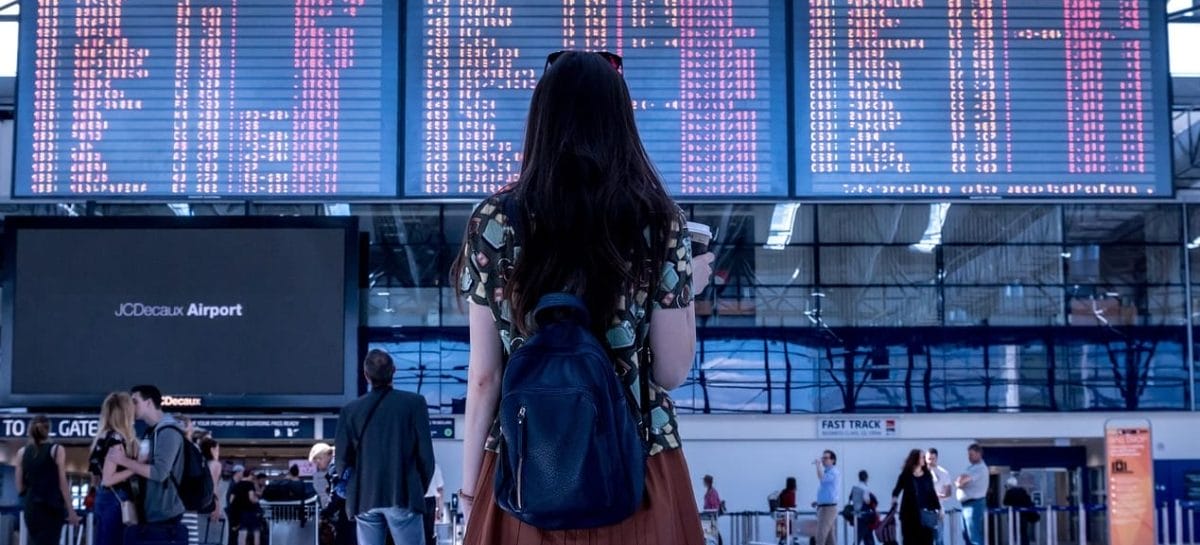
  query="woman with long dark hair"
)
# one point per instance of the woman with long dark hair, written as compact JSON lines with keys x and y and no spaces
{"x":920,"y":501}
{"x":42,"y":483}
{"x":588,"y":214}
{"x":115,"y":483}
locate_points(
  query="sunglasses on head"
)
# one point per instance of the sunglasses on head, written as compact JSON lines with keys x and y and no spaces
{"x":613,"y":59}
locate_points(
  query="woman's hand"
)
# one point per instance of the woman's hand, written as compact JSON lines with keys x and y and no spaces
{"x":701,"y":271}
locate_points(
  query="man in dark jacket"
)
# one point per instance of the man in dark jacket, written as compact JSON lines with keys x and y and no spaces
{"x":383,"y":442}
{"x":1017,"y":498}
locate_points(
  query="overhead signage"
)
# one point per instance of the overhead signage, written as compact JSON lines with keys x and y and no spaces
{"x":1191,"y":485}
{"x":182,"y":401}
{"x":86,"y":427}
{"x":61,"y":427}
{"x":838,"y":427}
{"x":258,"y":428}
{"x":221,"y":427}
{"x":440,"y":427}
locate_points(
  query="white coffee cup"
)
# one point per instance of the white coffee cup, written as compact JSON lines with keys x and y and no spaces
{"x":701,"y":236}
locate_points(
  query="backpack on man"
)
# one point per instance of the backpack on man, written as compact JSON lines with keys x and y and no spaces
{"x":194,"y":486}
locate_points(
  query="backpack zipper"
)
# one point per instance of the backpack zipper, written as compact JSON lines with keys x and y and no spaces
{"x":520,"y":454}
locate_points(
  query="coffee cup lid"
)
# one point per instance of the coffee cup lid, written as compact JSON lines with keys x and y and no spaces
{"x":700,"y":228}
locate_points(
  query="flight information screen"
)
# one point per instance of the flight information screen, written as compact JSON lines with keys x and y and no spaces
{"x":708,"y":80}
{"x":207,"y":98}
{"x":981,"y":98}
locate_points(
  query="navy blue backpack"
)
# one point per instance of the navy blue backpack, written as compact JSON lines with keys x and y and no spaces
{"x":572,"y":454}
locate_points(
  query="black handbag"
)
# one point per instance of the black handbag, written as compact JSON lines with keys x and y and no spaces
{"x":930,"y":518}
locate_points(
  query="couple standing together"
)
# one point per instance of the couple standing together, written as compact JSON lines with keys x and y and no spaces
{"x":138,"y":498}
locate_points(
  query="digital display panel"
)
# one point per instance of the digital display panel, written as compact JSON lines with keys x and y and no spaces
{"x":708,"y":80}
{"x":211,"y":308}
{"x":888,"y":98}
{"x":196,"y":98}
{"x":981,"y":98}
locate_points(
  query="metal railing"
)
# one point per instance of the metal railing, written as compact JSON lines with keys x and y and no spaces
{"x":1178,"y":523}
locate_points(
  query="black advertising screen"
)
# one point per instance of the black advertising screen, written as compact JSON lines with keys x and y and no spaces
{"x":708,"y":80}
{"x":248,"y":312}
{"x":982,"y":98}
{"x":180,"y":98}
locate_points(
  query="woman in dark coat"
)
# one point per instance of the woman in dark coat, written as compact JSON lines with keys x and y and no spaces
{"x":916,"y":483}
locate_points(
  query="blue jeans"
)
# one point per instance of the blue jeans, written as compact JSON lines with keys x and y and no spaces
{"x":110,"y":530}
{"x":973,"y":512}
{"x":865,"y":535}
{"x":404,"y":524}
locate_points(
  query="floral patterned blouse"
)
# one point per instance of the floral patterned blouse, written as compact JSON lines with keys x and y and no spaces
{"x":491,"y":250}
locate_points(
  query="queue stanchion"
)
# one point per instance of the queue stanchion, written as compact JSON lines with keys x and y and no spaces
{"x":454,"y":519}
{"x":1179,"y":522}
{"x":954,"y":528}
{"x":1083,"y":525}
{"x":1162,"y":530}
{"x":987,"y":524}
{"x":1191,"y":521}
{"x":1051,"y":526}
{"x":1012,"y":525}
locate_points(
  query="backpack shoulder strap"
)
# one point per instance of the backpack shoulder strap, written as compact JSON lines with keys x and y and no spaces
{"x":362,"y":432}
{"x":178,"y":455}
{"x":645,"y":360}
{"x":646,"y":355}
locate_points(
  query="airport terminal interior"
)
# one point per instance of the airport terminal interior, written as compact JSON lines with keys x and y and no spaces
{"x":936,"y":224}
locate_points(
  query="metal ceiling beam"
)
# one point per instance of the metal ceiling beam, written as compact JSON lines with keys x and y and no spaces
{"x":1185,"y":12}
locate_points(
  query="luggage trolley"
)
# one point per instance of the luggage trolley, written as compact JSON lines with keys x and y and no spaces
{"x":708,"y":523}
{"x":794,"y":527}
{"x":292,"y":522}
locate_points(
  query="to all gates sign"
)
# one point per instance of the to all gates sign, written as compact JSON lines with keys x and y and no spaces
{"x":60,"y":428}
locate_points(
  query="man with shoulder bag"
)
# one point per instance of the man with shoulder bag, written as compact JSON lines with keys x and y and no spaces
{"x":384,"y":446}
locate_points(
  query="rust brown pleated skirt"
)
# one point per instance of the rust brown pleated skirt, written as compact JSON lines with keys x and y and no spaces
{"x":668,"y":517}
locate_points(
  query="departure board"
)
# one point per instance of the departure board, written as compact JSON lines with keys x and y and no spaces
{"x":708,"y":79}
{"x":207,"y":98}
{"x":982,"y":98}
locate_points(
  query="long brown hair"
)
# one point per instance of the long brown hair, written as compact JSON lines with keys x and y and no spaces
{"x":914,"y":460}
{"x":39,"y":430}
{"x":594,"y":216}
{"x":116,"y":414}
